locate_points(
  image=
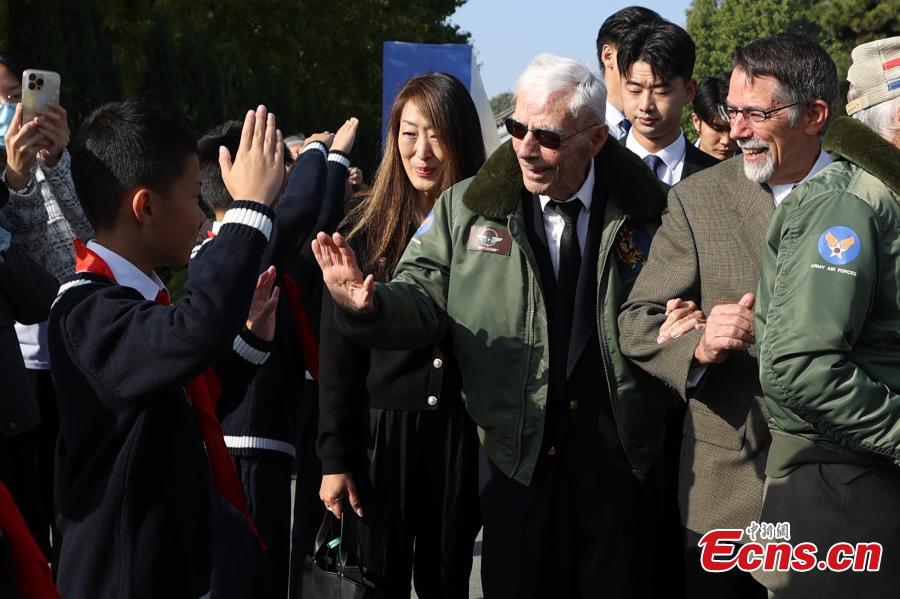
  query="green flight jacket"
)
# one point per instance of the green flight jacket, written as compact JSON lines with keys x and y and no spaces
{"x":828,"y":310}
{"x":469,"y":271}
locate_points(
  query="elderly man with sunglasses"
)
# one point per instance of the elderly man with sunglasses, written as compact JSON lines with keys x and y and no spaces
{"x":526,"y":265}
{"x":707,"y":253}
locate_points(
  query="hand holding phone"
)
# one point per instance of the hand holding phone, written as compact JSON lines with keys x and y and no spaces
{"x":39,"y":89}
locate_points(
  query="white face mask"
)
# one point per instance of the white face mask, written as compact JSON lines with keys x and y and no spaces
{"x":7,"y":112}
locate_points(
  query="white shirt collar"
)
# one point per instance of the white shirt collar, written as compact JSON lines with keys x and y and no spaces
{"x":216,"y":225}
{"x":671,"y":155}
{"x":781,"y":191}
{"x":613,"y":114}
{"x":126,"y":273}
{"x":585,"y":193}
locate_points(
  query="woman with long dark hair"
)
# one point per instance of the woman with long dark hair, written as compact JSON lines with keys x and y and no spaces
{"x":394,"y":438}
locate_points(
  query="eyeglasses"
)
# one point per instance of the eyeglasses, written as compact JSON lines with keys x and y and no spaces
{"x":549,"y":139}
{"x":729,"y":113}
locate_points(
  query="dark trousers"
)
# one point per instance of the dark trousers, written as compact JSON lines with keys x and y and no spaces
{"x":27,"y":464}
{"x":240,"y":568}
{"x":308,"y":508}
{"x":47,"y":437}
{"x":585,"y":527}
{"x":700,"y":584}
{"x":420,"y":504}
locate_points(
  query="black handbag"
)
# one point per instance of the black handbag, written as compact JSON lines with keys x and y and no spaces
{"x":338,"y":571}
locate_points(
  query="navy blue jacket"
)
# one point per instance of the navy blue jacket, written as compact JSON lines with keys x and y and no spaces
{"x":134,"y":487}
{"x":267,"y":414}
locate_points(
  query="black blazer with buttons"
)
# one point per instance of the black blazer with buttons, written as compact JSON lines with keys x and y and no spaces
{"x":354,"y":378}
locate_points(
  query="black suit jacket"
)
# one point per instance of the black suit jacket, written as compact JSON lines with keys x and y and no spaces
{"x":695,"y":160}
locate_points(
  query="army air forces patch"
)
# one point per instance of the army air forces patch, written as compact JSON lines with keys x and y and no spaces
{"x":631,"y":248}
{"x":839,"y":245}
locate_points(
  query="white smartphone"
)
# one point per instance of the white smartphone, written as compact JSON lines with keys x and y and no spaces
{"x":39,"y":88}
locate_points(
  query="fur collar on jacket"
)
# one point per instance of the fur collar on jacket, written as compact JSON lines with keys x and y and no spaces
{"x":496,"y":191}
{"x":860,"y":145}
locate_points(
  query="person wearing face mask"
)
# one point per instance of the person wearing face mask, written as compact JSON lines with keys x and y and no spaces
{"x":394,"y":436}
{"x":713,"y":134}
{"x":44,"y":216}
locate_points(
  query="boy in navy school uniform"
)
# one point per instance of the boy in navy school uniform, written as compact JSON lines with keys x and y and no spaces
{"x":137,"y":400}
{"x":260,"y":432}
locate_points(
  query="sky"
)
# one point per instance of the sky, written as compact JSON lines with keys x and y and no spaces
{"x":507,"y":34}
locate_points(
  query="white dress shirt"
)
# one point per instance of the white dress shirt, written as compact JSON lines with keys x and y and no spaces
{"x":127,"y":274}
{"x":672,"y":157}
{"x":554,"y":223}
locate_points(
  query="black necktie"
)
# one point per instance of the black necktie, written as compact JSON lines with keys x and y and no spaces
{"x":654,"y":162}
{"x":566,"y":283}
{"x":625,"y":126}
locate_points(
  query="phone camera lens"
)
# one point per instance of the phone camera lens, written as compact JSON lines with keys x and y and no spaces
{"x":30,"y":85}
{"x":31,"y":76}
{"x":40,"y":82}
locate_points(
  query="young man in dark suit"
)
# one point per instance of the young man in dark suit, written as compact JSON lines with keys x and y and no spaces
{"x":656,"y":64}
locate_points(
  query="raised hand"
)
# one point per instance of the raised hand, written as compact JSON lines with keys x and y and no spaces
{"x":728,"y":328}
{"x":53,"y":124}
{"x":333,"y":490}
{"x":342,"y":275}
{"x":258,"y":168}
{"x":346,"y":136}
{"x":325,"y":137}
{"x":22,"y":145}
{"x":681,"y":317}
{"x":261,"y":319}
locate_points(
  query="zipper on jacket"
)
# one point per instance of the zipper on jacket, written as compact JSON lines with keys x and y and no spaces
{"x":607,"y":361}
{"x":529,"y":343}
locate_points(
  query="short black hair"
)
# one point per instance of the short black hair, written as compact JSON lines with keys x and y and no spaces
{"x":803,"y":69}
{"x":213,"y":191}
{"x":122,"y":146}
{"x":711,"y":91}
{"x":665,"y":46}
{"x":621,"y":23}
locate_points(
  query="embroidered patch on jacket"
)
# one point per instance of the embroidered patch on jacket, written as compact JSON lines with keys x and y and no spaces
{"x":839,"y":245}
{"x":495,"y":240}
{"x":631,"y":248}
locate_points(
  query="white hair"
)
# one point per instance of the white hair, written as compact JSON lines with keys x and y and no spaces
{"x":548,"y":75}
{"x":880,"y":117}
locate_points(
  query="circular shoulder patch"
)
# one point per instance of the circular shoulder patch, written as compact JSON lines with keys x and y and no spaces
{"x":426,"y":224}
{"x":839,"y":245}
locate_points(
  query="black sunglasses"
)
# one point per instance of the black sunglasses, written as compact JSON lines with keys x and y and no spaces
{"x":549,"y":139}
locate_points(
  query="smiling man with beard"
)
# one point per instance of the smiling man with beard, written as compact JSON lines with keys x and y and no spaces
{"x":707,"y":253}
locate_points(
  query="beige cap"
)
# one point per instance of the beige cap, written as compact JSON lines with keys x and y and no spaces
{"x":875,"y":72}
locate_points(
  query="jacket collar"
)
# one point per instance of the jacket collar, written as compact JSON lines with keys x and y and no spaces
{"x":496,"y":191}
{"x":860,"y":145}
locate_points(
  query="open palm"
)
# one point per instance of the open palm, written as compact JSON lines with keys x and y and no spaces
{"x":342,"y":275}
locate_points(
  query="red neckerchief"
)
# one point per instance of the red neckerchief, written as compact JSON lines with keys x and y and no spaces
{"x":204,"y":391}
{"x":305,"y":333}
{"x":32,"y":574}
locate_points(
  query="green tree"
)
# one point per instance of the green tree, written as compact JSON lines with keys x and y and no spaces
{"x":312,"y":63}
{"x":502,"y":102}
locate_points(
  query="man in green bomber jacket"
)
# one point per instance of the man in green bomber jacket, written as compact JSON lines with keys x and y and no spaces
{"x":525,"y":266}
{"x":828,"y":331}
